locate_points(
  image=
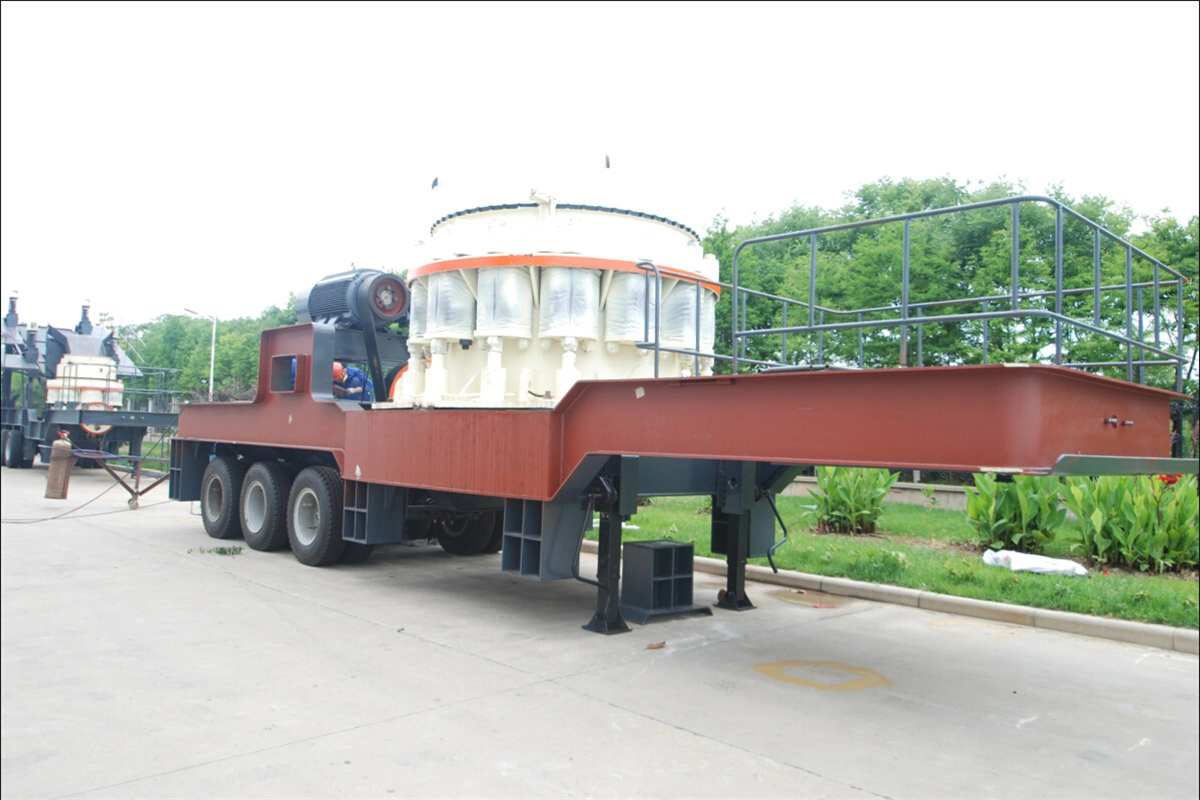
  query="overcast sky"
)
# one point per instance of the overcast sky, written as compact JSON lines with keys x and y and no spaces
{"x":219,"y":156}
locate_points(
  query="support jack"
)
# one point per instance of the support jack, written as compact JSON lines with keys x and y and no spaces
{"x":733,"y":602}
{"x":607,"y":619}
{"x":733,"y":531}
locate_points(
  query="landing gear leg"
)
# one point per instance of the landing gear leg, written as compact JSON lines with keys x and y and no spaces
{"x":607,"y":619}
{"x":733,"y":596}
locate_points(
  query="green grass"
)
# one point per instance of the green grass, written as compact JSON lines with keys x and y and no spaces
{"x":930,"y":550}
{"x":235,"y":550}
{"x":156,"y":447}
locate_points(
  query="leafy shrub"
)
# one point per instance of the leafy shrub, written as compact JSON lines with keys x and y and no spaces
{"x":1141,"y":523}
{"x":877,"y":567}
{"x":960,"y":570}
{"x":1096,"y":504}
{"x":1022,"y":515}
{"x":849,"y":500}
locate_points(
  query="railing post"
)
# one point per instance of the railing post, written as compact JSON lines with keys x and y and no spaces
{"x":920,"y":340}
{"x":821,"y":341}
{"x":657,"y":316}
{"x":745,"y":300}
{"x":812,"y":277}
{"x":1096,"y":276}
{"x":985,"y":333}
{"x":1016,"y":258}
{"x":735,"y":341}
{"x":1058,"y":280}
{"x":860,"y":343}
{"x":1157,"y":307}
{"x":812,"y":281}
{"x":646,"y":267}
{"x":1128,"y":313}
{"x":783,"y":350}
{"x":1141,"y":337}
{"x":904,"y":273}
{"x":1179,"y":335}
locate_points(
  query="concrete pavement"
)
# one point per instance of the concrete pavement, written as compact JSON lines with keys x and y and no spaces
{"x":137,"y":662}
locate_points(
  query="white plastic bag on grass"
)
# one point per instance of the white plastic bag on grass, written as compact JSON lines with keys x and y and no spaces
{"x":1027,"y":562}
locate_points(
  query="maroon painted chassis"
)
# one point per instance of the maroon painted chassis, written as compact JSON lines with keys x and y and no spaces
{"x":969,"y":418}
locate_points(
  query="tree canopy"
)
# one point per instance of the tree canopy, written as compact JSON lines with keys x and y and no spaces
{"x":181,"y":345}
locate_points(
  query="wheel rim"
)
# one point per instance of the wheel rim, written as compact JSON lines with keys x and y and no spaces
{"x":255,"y":507}
{"x":214,"y":500}
{"x":306,"y":519}
{"x":455,"y":526}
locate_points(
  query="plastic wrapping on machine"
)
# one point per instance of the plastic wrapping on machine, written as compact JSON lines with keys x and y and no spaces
{"x":505,"y":306}
{"x":679,"y":317}
{"x":570,"y":303}
{"x":627,"y":307}
{"x":419,"y":292}
{"x":708,"y":321}
{"x":450,"y":310}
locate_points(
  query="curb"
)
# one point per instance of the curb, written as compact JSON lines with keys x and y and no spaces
{"x":1163,"y":637}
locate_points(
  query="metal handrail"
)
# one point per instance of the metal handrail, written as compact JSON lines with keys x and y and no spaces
{"x":908,"y":311}
{"x":898,"y":322}
{"x":656,"y":344}
{"x":648,"y":267}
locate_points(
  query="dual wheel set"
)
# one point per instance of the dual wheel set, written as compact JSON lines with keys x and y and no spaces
{"x":272,"y":510}
{"x":12,"y":450}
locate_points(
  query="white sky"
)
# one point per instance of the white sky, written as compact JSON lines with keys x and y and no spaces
{"x":219,"y":156}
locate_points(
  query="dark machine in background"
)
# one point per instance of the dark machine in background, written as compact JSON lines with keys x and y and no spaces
{"x":72,"y":381}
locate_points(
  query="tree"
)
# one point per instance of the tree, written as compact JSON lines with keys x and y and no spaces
{"x":183,"y":343}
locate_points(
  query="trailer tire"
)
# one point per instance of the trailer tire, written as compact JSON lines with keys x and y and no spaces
{"x":220,"y":492}
{"x":314,"y":519}
{"x":14,"y":451}
{"x":496,"y":543}
{"x":418,"y":528}
{"x":263,"y":506}
{"x":356,"y":552}
{"x":464,"y":535}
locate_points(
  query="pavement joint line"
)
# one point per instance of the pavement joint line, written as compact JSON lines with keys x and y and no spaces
{"x":314,"y":737}
{"x":555,"y":681}
{"x":216,"y":566}
{"x":377,"y":623}
{"x":1164,"y":637}
{"x":722,"y":742}
{"x":219,"y":567}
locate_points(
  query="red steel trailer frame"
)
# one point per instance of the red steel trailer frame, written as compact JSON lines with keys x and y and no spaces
{"x":537,"y":475}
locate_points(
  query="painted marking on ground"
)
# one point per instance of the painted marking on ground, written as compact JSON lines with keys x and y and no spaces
{"x":831,"y":676}
{"x":960,"y":628}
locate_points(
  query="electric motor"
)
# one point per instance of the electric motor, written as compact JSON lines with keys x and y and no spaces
{"x":355,"y":299}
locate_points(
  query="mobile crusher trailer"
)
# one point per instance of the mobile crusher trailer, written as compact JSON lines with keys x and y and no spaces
{"x":561,"y":365}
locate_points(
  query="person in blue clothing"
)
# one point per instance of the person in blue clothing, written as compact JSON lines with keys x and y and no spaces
{"x":352,"y":383}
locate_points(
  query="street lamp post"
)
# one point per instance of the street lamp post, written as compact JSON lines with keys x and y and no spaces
{"x":212,"y":353}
